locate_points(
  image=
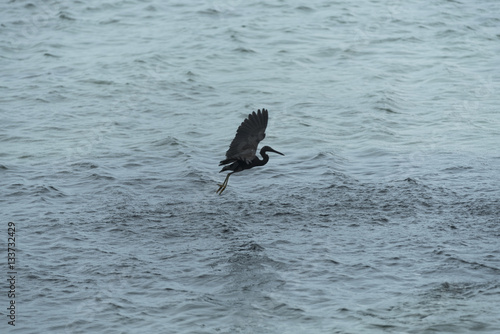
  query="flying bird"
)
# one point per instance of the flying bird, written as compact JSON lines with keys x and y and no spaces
{"x":241,"y":154}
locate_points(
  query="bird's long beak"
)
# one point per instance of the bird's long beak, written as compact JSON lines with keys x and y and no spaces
{"x":273,"y":150}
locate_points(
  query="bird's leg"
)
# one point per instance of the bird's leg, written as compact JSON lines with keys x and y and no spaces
{"x":223,"y":186}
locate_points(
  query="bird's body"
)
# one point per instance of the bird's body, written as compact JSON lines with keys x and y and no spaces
{"x":241,"y":154}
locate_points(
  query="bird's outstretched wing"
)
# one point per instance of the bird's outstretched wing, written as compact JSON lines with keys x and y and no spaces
{"x":249,"y":134}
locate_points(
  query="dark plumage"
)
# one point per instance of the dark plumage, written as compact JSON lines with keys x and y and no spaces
{"x":241,"y":154}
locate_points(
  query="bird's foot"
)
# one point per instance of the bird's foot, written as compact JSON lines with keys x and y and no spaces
{"x":222,"y":187}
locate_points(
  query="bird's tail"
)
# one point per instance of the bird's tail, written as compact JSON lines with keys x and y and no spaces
{"x":228,"y":167}
{"x":227,"y":161}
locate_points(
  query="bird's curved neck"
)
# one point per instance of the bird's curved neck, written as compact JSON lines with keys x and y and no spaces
{"x":265,"y":158}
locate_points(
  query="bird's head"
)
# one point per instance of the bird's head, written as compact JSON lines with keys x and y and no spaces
{"x":269,"y":149}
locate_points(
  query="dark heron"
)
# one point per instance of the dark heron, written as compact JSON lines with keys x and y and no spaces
{"x":241,"y":153}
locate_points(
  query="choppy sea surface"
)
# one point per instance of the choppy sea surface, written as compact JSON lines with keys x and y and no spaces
{"x":382,"y":217}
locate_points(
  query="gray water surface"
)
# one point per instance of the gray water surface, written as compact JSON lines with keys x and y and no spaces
{"x":382,"y":217}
